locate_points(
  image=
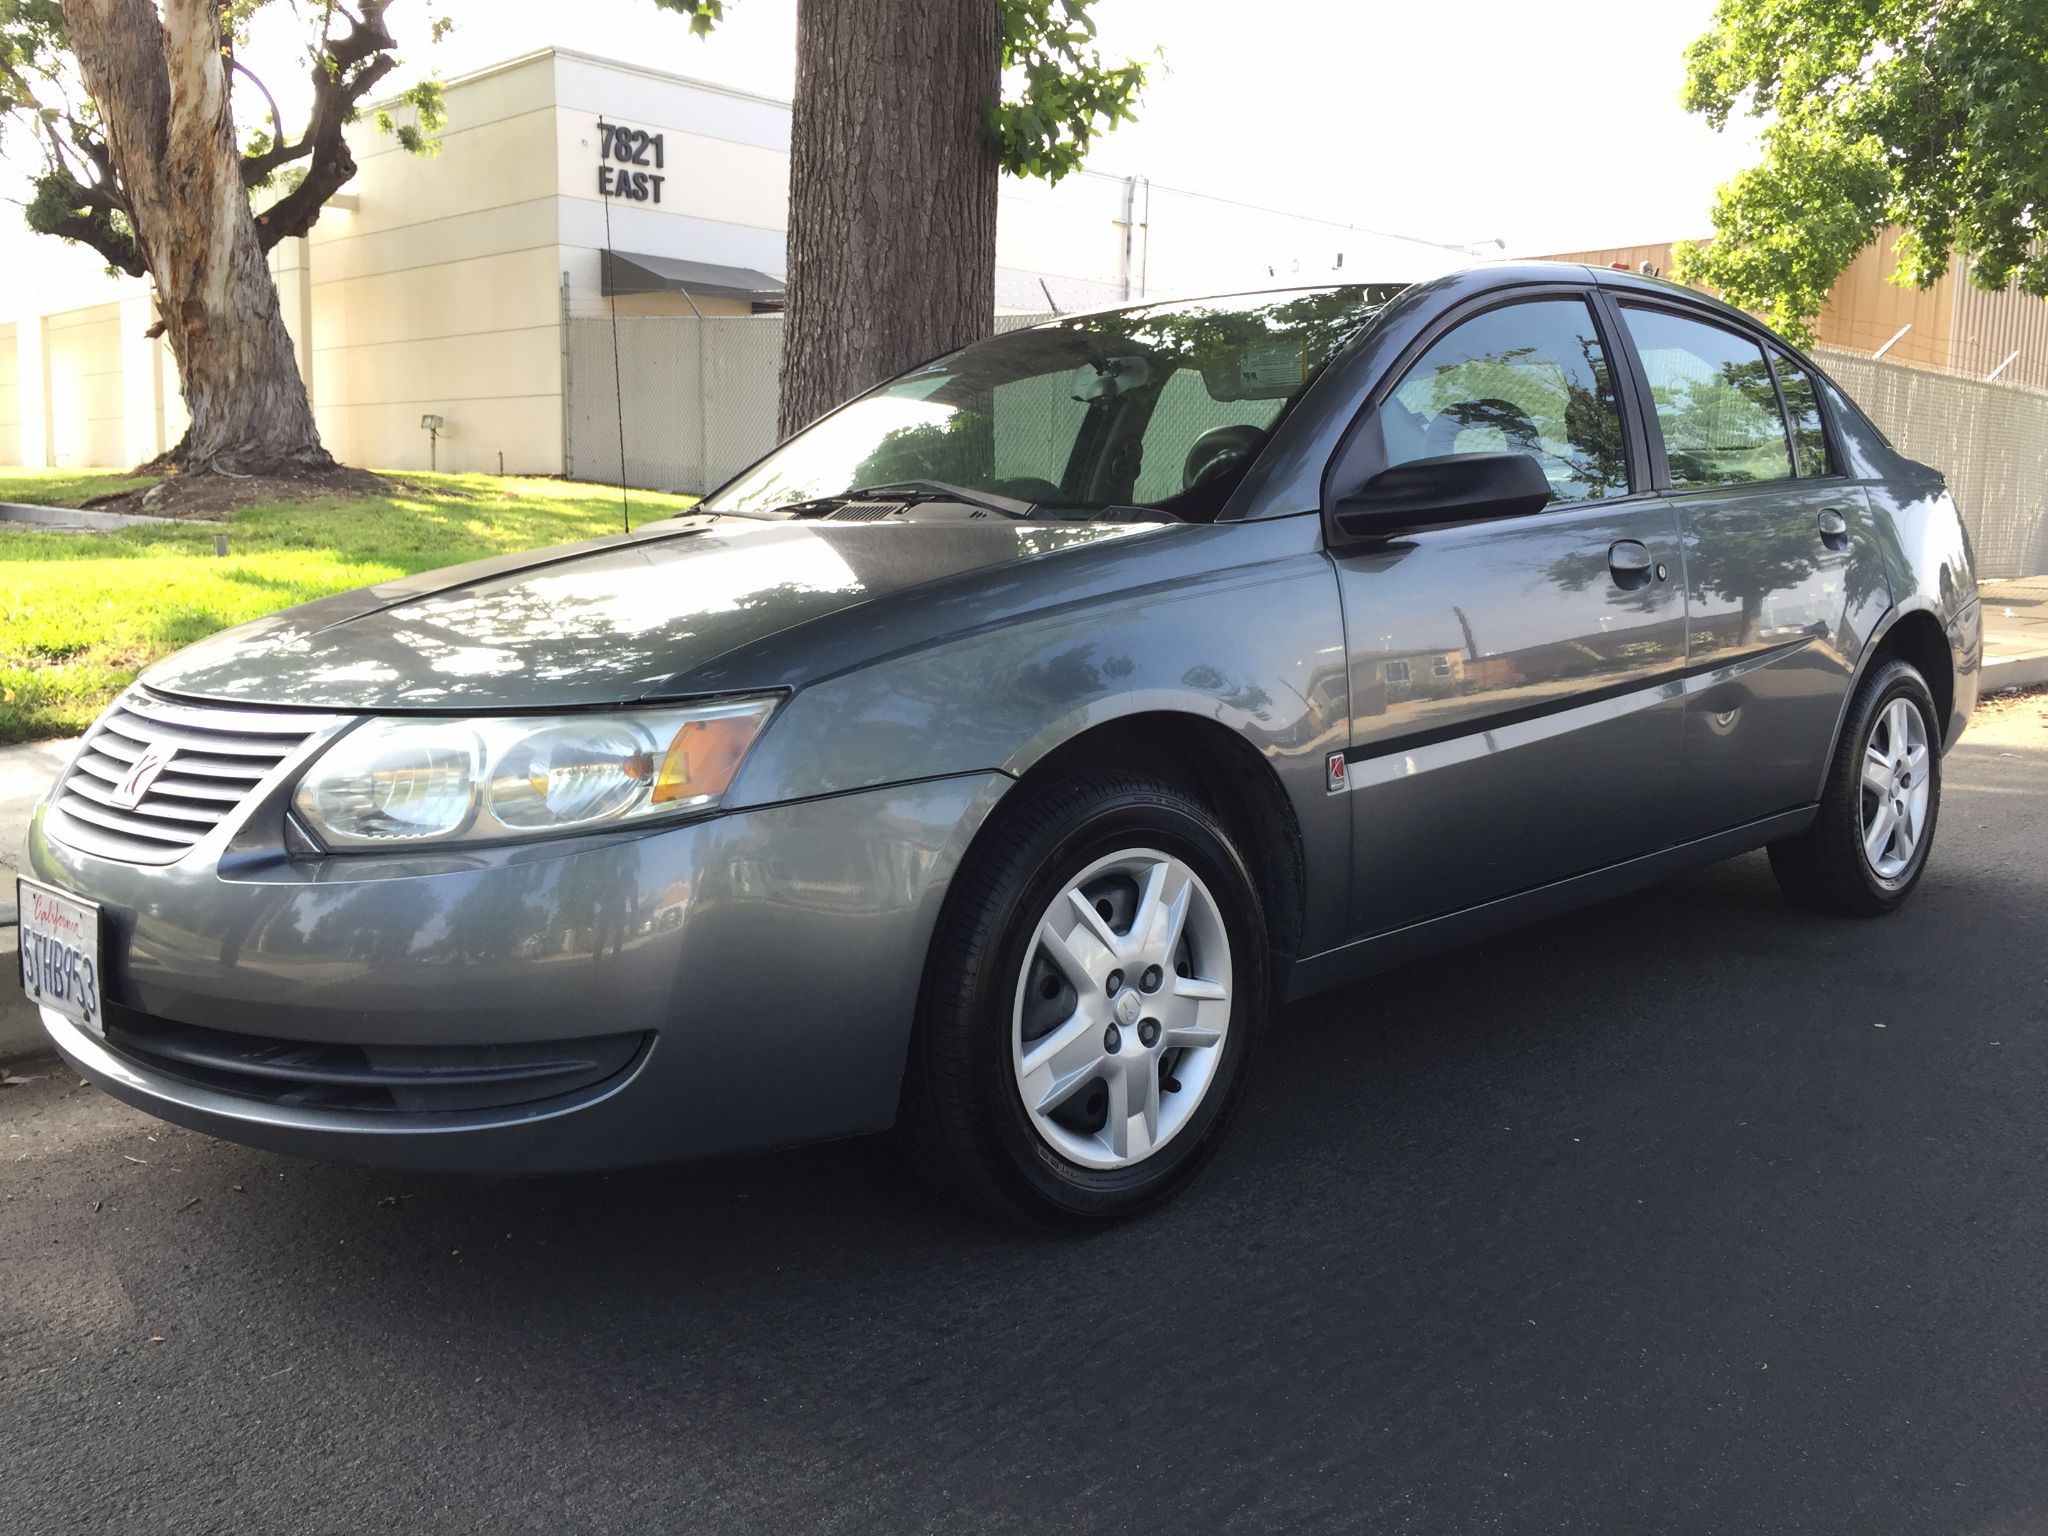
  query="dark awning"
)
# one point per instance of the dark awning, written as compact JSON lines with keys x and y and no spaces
{"x":630,"y":272}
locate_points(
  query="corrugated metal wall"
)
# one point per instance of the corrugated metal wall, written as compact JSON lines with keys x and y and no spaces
{"x":1991,"y":327}
{"x":1990,"y":440}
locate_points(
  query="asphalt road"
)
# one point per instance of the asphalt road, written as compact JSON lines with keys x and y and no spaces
{"x":1689,"y":1213}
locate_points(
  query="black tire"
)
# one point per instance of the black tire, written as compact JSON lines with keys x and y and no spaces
{"x":964,"y":1123}
{"x":1826,"y":868}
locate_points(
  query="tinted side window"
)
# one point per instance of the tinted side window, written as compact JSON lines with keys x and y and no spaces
{"x":1715,"y":402}
{"x":1528,"y":378}
{"x":1802,"y":405}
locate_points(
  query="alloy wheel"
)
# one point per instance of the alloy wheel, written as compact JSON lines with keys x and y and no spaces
{"x":1896,"y":788}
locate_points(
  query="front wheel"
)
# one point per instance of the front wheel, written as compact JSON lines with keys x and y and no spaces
{"x":1095,"y":992}
{"x":1869,"y":842}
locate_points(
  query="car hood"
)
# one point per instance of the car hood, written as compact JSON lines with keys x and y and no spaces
{"x":605,"y":622}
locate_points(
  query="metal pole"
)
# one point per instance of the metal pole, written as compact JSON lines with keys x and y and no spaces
{"x":1880,"y":352}
{"x":568,"y":428}
{"x":1994,"y":373}
{"x":703,"y":404}
{"x":1130,"y":213}
{"x":1145,"y":256}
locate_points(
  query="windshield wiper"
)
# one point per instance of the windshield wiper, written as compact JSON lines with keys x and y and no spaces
{"x":939,"y":490}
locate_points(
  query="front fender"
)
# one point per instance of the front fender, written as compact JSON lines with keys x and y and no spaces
{"x":1258,"y":650}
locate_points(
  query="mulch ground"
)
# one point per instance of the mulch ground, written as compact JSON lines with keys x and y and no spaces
{"x":182,"y":497}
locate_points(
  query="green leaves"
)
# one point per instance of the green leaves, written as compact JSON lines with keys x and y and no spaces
{"x":1059,"y":92}
{"x":422,"y":136}
{"x":1786,"y":229}
{"x":703,"y":14}
{"x":1929,"y":114}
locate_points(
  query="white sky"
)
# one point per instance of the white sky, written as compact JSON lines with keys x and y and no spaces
{"x":1552,"y":126}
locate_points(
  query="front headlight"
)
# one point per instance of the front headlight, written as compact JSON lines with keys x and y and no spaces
{"x":406,"y":781}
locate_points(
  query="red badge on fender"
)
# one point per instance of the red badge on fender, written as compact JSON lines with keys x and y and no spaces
{"x":1336,"y":771}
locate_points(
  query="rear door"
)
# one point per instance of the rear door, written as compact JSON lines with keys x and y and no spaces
{"x":1515,"y":694}
{"x":1779,"y":565}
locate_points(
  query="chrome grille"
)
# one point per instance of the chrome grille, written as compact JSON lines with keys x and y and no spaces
{"x":218,"y":756}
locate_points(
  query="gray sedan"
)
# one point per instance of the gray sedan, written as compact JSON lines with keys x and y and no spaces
{"x":989,"y":759}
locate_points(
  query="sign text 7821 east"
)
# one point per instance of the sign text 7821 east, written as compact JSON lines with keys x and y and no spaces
{"x":621,"y":154}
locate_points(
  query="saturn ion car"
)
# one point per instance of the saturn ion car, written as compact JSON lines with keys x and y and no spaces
{"x":990,"y":759}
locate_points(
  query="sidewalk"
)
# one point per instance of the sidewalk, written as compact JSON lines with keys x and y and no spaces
{"x":2015,"y":633}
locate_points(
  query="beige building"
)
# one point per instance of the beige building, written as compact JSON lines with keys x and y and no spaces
{"x":566,"y":187}
{"x":1953,"y":325}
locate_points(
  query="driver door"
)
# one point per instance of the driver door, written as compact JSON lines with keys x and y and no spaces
{"x":1516,"y":716}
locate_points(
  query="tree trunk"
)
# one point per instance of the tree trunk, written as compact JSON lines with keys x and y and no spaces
{"x":892,"y":208}
{"x":162,"y":91}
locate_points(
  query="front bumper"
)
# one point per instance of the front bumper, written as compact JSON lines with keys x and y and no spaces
{"x":770,"y":958}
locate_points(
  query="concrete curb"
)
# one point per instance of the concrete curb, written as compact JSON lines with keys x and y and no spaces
{"x":2013,"y":672}
{"x":21,"y":1028}
{"x":85,"y":520}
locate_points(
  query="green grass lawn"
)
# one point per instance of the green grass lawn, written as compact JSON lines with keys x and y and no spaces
{"x":82,"y":613}
{"x":66,"y":487}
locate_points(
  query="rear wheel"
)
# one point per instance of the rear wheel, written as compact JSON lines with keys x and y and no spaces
{"x":1095,"y":992}
{"x":1869,"y":842}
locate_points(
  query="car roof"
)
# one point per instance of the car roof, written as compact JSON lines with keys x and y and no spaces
{"x":1461,"y":281}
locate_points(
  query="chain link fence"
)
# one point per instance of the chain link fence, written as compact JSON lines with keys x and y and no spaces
{"x":683,"y":404}
{"x":1990,"y":440}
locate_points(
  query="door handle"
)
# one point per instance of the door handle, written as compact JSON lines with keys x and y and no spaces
{"x":1834,"y":529}
{"x":1628,"y":561}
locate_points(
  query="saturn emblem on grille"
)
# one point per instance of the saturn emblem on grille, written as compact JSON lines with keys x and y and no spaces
{"x":140,"y":775}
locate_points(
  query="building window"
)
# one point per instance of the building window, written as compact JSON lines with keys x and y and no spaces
{"x":1397,"y":671}
{"x":1441,"y":666}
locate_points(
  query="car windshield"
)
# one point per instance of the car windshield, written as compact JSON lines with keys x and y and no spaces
{"x":1159,"y":407}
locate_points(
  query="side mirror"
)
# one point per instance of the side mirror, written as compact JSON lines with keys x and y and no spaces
{"x":1435,"y":493}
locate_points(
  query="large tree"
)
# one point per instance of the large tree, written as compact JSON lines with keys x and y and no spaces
{"x":902,"y":126}
{"x":1928,"y":114}
{"x":133,"y":104}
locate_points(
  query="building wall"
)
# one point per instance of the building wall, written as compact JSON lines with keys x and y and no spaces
{"x":87,"y":405}
{"x":1657,"y":253}
{"x":1866,"y":309}
{"x":1989,"y":328}
{"x":10,"y":398}
{"x":437,"y":292}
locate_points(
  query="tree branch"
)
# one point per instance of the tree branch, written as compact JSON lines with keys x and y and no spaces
{"x":256,"y":167}
{"x":343,"y":73}
{"x":72,"y":208}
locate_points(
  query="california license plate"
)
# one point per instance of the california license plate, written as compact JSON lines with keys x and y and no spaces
{"x":60,"y":951}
